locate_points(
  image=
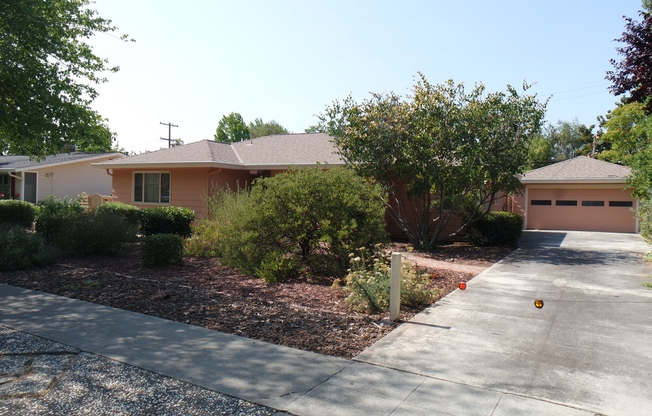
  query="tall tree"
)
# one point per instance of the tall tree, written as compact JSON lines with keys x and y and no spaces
{"x":629,"y":125}
{"x":633,"y":74}
{"x":438,"y":151}
{"x":47,"y":77}
{"x":568,"y":139}
{"x":540,"y":152}
{"x":259,"y":128}
{"x":629,"y":133}
{"x":562,"y":141}
{"x":231,"y":128}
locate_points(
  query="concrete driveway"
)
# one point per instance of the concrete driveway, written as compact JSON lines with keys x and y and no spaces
{"x":589,"y":348}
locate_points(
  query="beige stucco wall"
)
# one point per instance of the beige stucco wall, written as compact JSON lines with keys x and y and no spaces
{"x":69,"y":180}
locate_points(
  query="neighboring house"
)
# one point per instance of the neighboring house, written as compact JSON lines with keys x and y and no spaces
{"x":184,"y":175}
{"x":580,"y":194}
{"x":63,"y":176}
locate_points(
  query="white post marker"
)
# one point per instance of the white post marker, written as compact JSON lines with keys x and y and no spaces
{"x":395,"y":287}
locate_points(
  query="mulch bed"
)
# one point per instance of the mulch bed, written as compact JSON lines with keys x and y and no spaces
{"x":307,"y":315}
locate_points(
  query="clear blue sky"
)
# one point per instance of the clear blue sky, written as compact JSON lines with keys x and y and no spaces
{"x":197,"y":60}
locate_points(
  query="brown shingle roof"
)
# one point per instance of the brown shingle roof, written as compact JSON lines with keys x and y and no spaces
{"x":269,"y":152}
{"x":579,"y":169}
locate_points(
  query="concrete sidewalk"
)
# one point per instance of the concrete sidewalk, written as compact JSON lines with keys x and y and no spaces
{"x":484,"y":351}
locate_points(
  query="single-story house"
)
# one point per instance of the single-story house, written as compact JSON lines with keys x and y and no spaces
{"x":183,"y":175}
{"x":63,"y":175}
{"x":580,"y":194}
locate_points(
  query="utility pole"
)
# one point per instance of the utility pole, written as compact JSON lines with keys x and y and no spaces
{"x":169,"y":139}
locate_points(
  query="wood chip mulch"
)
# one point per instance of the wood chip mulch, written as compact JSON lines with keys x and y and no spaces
{"x":307,"y":315}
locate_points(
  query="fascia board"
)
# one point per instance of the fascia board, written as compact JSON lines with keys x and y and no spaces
{"x":150,"y":165}
{"x":170,"y":165}
{"x":66,"y":162}
{"x":569,"y":181}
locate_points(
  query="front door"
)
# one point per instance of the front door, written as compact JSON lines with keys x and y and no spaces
{"x":30,"y":187}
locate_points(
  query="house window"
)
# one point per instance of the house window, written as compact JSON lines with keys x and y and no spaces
{"x":152,"y":187}
{"x":541,"y":202}
{"x":5,"y":186}
{"x":566,"y":203}
{"x":621,"y":204}
{"x":592,"y":203}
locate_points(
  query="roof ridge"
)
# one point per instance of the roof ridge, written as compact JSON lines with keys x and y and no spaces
{"x":235,"y":152}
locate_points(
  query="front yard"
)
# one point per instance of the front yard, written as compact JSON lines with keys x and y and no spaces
{"x":309,"y":316}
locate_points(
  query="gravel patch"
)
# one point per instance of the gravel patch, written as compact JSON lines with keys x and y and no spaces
{"x":41,"y":377}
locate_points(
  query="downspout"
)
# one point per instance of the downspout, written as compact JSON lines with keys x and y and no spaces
{"x":637,"y":226}
{"x":209,"y":188}
{"x":525,"y":208}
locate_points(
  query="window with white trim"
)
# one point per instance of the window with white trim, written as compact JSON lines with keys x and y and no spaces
{"x":152,"y":187}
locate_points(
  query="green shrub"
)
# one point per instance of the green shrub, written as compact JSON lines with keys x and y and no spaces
{"x":368,"y":283}
{"x":166,"y":220}
{"x":234,"y":214}
{"x":160,"y":250}
{"x":204,"y":240}
{"x":314,"y":217}
{"x":130,"y":213}
{"x":21,"y":249}
{"x":278,"y":268}
{"x":88,"y":233}
{"x":17,"y":212}
{"x":497,"y":228}
{"x":52,"y":215}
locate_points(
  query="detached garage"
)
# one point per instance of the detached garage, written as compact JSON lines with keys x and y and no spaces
{"x":579,"y":194}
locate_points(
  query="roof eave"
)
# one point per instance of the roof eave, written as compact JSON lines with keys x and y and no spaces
{"x":150,"y":165}
{"x":572,"y":181}
{"x":67,"y":162}
{"x":209,"y":164}
{"x":285,"y":166}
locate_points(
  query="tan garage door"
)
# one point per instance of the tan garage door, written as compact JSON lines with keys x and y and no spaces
{"x":581,"y":210}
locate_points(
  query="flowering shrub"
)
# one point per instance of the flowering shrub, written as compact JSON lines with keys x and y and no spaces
{"x":368,"y":283}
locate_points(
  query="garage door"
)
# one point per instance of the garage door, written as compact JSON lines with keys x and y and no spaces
{"x":581,"y":210}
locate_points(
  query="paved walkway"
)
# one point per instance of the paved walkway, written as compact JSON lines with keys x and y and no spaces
{"x":483,"y":351}
{"x":438,"y":264}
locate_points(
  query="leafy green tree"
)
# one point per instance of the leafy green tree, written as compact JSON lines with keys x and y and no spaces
{"x":540,"y":152}
{"x":564,"y":140}
{"x":629,"y":125}
{"x":231,"y":128}
{"x":259,"y":128}
{"x":47,"y":77}
{"x":633,"y":74}
{"x":438,"y":151}
{"x":629,"y":132}
{"x":568,"y":139}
